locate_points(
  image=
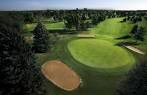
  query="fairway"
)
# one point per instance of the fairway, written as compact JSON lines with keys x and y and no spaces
{"x":112,"y":27}
{"x":99,"y":53}
{"x":48,"y":26}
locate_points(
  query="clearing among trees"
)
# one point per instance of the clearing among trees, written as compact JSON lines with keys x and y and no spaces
{"x":61,"y":75}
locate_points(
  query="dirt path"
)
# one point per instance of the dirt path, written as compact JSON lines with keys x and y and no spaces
{"x":135,"y":50}
{"x":61,"y":75}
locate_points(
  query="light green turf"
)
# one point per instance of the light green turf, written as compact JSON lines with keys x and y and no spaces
{"x":29,"y":27}
{"x":99,"y":53}
{"x":48,"y":25}
{"x":112,"y":27}
{"x":59,"y":25}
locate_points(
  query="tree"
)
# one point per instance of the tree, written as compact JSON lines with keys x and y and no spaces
{"x":124,"y":20}
{"x":68,"y":22}
{"x":138,"y":33}
{"x":97,"y":19}
{"x":19,"y":75}
{"x":12,"y":20}
{"x":136,"y":81}
{"x":76,"y":21}
{"x":83,"y":25}
{"x":72,"y":20}
{"x":41,"y":39}
{"x":134,"y":29}
{"x":29,"y":17}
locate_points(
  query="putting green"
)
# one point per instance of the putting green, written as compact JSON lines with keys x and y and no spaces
{"x":99,"y":53}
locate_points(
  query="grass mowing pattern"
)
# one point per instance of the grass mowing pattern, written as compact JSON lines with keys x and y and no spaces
{"x":113,"y":27}
{"x":99,"y":53}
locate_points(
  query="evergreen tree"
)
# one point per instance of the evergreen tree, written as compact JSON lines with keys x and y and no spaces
{"x":68,"y":22}
{"x":29,"y":17}
{"x":136,"y":82}
{"x":138,"y":33}
{"x":41,"y":39}
{"x":134,"y":29}
{"x":19,"y":75}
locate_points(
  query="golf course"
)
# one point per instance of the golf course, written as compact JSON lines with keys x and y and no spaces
{"x":97,"y":59}
{"x":73,"y":47}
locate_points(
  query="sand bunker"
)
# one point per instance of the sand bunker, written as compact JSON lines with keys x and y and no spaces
{"x":135,"y":50}
{"x":61,"y":75}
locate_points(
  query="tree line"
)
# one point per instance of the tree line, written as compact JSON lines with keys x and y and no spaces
{"x":18,"y":70}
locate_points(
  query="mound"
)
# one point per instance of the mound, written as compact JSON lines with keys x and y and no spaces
{"x":61,"y":75}
{"x":99,"y":53}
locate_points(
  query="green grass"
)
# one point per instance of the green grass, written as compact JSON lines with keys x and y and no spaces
{"x":52,"y":26}
{"x":99,"y":53}
{"x":96,"y":81}
{"x":27,"y":28}
{"x":48,"y":25}
{"x":112,"y":27}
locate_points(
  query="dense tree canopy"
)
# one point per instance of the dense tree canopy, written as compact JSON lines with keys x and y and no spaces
{"x":138,"y":33}
{"x":136,"y":82}
{"x":19,"y":75}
